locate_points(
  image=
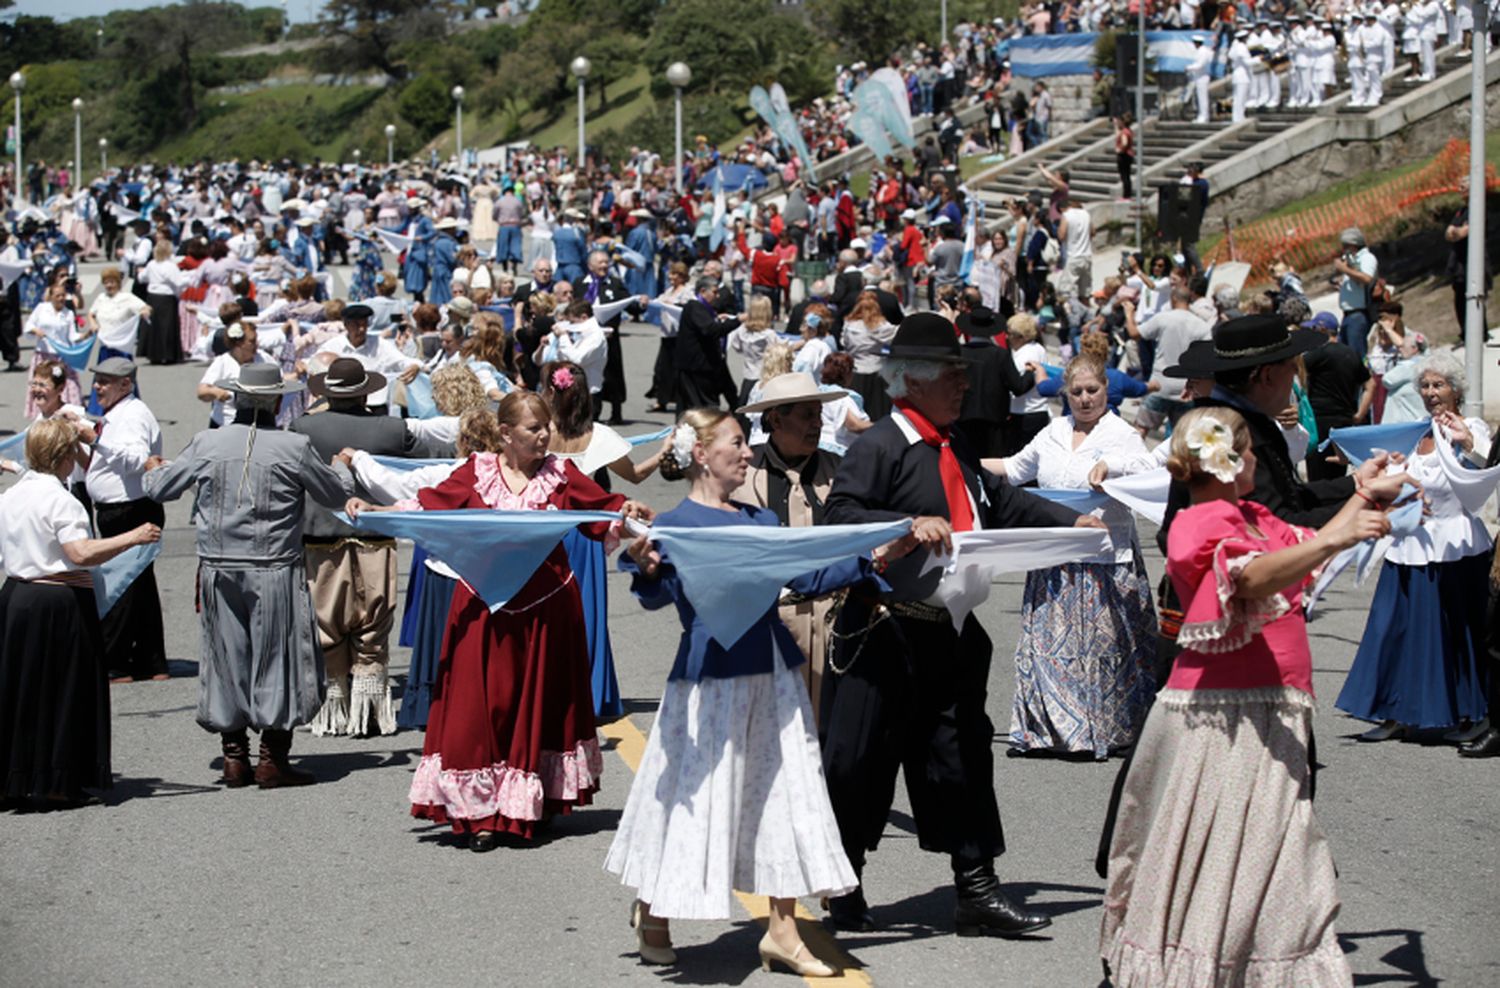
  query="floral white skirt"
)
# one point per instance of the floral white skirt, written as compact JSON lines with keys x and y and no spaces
{"x":730,"y":797}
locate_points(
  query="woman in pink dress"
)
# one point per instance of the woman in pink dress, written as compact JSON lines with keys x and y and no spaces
{"x":1219,"y":872}
{"x":510,"y":730}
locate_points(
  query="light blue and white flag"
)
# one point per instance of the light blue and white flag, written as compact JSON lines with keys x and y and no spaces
{"x":14,"y":447}
{"x":419,"y":401}
{"x":75,"y":355}
{"x":733,"y":574}
{"x":1039,"y":55}
{"x":1172,"y":51}
{"x":113,"y":578}
{"x":396,"y":243}
{"x":971,"y":238}
{"x":1081,"y":500}
{"x":495,"y":552}
{"x":1472,"y":486}
{"x":1367,"y":556}
{"x":721,"y":212}
{"x":1360,"y":442}
{"x":668,"y":316}
{"x":1144,"y":493}
{"x":979,"y":557}
{"x":650,"y":437}
{"x":406,"y":464}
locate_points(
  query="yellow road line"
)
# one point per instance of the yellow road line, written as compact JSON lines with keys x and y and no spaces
{"x":630,"y":745}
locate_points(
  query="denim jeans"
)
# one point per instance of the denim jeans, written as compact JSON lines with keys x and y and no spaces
{"x":1354,"y":331}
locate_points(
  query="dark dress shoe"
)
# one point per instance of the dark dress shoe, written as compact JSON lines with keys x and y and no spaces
{"x":485,"y":840}
{"x":1487,"y":745}
{"x":984,"y":909}
{"x":851,"y":912}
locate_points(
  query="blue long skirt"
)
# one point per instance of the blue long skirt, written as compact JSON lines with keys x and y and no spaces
{"x":1419,"y":662}
{"x":427,"y":616}
{"x":416,"y":581}
{"x":586,"y":558}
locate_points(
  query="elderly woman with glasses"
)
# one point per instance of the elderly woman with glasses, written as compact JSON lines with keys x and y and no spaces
{"x":1088,"y":629}
{"x":1418,"y":665}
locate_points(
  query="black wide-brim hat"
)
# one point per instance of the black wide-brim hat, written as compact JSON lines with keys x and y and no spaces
{"x":345,"y":378}
{"x":926,"y":336}
{"x":1253,"y":341}
{"x":1194,"y":363}
{"x":979,"y":321}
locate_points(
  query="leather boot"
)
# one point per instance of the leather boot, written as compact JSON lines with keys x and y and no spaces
{"x":273,"y":770}
{"x":237,"y":770}
{"x":850,"y":911}
{"x":983,"y":908}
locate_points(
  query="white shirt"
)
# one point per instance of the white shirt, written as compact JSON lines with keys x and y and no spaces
{"x":116,"y":315}
{"x":376,"y":354}
{"x":1080,"y":234}
{"x":1033,"y":353}
{"x":1448,"y":532}
{"x":129,"y":437}
{"x":1172,"y":330}
{"x":50,"y":325}
{"x":166,"y":278}
{"x":605,"y":447}
{"x":1051,"y":461}
{"x":40,"y":517}
{"x":836,"y":434}
{"x":225,"y":368}
{"x":585,"y":344}
{"x":810,"y":357}
{"x":440,"y":430}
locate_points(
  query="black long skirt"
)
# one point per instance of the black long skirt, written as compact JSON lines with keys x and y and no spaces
{"x":54,"y":696}
{"x":161,"y":339}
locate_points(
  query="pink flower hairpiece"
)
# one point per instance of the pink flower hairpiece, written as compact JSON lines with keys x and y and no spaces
{"x":562,"y":379}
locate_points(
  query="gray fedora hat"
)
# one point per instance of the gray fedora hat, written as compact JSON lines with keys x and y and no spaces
{"x":261,"y":379}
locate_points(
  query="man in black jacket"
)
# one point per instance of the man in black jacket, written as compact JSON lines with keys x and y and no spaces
{"x":600,"y":287}
{"x":352,"y":574}
{"x":902,"y":688}
{"x":1487,"y":745}
{"x":994,"y":379}
{"x":702,"y":373}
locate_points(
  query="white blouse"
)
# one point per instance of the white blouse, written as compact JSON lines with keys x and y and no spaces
{"x":1029,"y":402}
{"x":1449,"y":532}
{"x":40,"y":517}
{"x":50,"y":325}
{"x":166,"y":278}
{"x":115,"y":314}
{"x":1051,"y":461}
{"x":605,"y":447}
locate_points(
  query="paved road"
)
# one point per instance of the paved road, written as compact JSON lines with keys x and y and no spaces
{"x":175,"y":880}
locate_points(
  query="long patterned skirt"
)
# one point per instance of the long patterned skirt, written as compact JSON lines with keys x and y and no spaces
{"x":1084,"y":661}
{"x":1219,"y":873}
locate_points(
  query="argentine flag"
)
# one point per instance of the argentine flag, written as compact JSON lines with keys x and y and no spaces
{"x":971,"y":239}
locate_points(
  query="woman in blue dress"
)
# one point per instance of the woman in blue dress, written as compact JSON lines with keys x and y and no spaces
{"x":730,"y":794}
{"x":442,"y":258}
{"x":597,"y":451}
{"x":367,"y":269}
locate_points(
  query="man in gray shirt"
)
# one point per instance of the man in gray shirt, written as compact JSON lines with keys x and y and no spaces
{"x":1172,"y":330}
{"x":946,"y":259}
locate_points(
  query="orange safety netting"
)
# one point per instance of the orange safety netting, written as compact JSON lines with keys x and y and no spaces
{"x":1309,"y":238}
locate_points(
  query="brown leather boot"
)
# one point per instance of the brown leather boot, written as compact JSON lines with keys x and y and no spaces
{"x":237,"y":770}
{"x":273,"y":770}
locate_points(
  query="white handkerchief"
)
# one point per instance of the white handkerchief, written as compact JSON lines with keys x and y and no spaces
{"x":979,"y":557}
{"x":1144,"y":493}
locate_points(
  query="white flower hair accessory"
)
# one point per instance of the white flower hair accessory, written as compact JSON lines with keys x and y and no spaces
{"x":683,"y":439}
{"x":1213,"y":444}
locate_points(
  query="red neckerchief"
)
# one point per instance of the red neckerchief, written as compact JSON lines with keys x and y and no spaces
{"x":960,"y":514}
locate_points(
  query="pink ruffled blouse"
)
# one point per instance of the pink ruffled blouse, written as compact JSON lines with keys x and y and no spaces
{"x":1229,"y":642}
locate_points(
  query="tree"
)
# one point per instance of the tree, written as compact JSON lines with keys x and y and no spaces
{"x":871,"y":30}
{"x":369,"y":32}
{"x":765,"y":46}
{"x":155,"y":48}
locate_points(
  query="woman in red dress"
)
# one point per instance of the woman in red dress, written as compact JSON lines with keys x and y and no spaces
{"x":510,"y":733}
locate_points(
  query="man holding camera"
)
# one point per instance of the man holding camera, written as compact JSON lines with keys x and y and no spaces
{"x":1360,"y":270}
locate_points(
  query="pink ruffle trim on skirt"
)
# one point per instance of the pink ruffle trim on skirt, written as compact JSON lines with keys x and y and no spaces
{"x":474,"y":794}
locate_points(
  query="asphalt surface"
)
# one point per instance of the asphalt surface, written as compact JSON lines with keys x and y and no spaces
{"x":176,"y":880}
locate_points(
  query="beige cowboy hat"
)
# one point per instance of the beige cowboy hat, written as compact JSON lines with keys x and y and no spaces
{"x":789,"y":389}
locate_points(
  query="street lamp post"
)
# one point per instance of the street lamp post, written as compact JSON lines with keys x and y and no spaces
{"x":944,"y":35}
{"x":18,"y":83}
{"x":458,"y":137}
{"x":679,"y":75}
{"x":580,"y":67}
{"x":103,"y":156}
{"x":390,"y":144}
{"x":77,"y":142}
{"x":356,"y":163}
{"x":99,"y":38}
{"x":1476,"y":285}
{"x":1139,"y":145}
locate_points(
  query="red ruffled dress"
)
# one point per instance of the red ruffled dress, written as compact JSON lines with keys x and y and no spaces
{"x":510,"y":733}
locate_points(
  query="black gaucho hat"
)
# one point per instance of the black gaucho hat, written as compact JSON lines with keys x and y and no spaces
{"x":926,"y":336}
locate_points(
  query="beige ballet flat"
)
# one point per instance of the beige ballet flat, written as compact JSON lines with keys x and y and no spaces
{"x":798,"y":961}
{"x":640,"y":922}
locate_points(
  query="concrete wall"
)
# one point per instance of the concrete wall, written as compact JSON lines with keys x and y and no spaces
{"x":1308,"y":158}
{"x":1072,"y":97}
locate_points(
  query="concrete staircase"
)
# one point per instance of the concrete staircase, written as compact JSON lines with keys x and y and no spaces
{"x":1169,"y":144}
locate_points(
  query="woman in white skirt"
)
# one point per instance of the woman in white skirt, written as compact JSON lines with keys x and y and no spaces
{"x":730,"y":794}
{"x":1219,"y":873}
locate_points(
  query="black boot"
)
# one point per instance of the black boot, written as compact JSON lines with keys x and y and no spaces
{"x":1487,"y":745}
{"x":237,"y":770}
{"x":983,"y":908}
{"x":850,"y":911}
